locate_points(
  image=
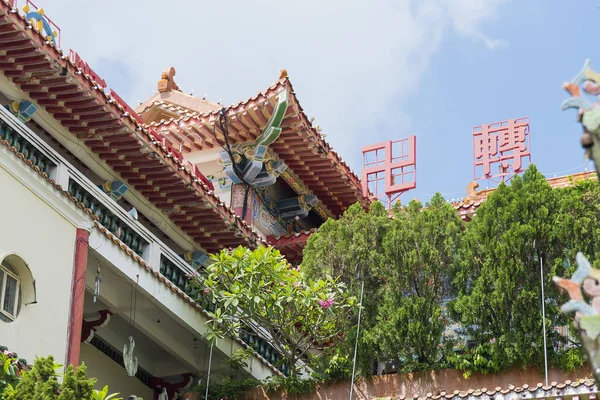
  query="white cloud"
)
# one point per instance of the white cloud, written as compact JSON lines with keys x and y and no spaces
{"x":468,"y":15}
{"x":352,"y":63}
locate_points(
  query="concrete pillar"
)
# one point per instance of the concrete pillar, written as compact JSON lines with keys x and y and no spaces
{"x":77,"y":297}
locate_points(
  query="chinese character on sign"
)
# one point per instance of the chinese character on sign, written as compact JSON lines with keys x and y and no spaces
{"x":389,"y":169}
{"x":499,"y":149}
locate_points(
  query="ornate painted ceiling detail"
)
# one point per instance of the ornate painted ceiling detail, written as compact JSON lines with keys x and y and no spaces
{"x":23,"y":110}
{"x":195,"y":258}
{"x":89,"y":328}
{"x":297,"y":206}
{"x":259,"y":214}
{"x":244,"y":158}
{"x":299,"y":187}
{"x":115,"y":189}
{"x":254,"y":161}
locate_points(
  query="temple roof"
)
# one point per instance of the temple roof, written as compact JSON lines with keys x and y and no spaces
{"x":177,"y":104}
{"x":110,"y":128}
{"x":468,"y":205}
{"x":300,"y":145}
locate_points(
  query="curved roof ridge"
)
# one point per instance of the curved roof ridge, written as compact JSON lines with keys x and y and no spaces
{"x":233,"y":109}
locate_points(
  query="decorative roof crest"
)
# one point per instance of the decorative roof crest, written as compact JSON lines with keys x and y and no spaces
{"x":167,"y":81}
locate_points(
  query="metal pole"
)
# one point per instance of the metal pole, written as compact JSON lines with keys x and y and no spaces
{"x":544,"y":319}
{"x":362,"y":289}
{"x":208,"y":375}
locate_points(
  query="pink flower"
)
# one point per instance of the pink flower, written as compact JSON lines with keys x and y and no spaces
{"x":326,"y":303}
{"x":207,"y":290}
{"x":192,"y":275}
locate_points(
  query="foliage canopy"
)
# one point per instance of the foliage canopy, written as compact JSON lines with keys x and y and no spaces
{"x":432,"y":281}
{"x":259,"y":286}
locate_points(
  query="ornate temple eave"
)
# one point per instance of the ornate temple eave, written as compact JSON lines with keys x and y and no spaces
{"x":112,"y":130}
{"x":300,"y":146}
{"x":292,"y":245}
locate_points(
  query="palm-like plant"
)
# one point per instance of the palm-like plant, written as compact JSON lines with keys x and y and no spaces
{"x":103,"y":395}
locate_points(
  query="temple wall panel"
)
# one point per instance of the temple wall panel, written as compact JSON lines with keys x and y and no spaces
{"x":257,"y":215}
{"x":44,"y":240}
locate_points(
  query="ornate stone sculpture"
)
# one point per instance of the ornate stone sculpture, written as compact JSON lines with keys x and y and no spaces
{"x":587,"y":317}
{"x":588,"y":113}
{"x":167,"y":81}
{"x":253,"y":160}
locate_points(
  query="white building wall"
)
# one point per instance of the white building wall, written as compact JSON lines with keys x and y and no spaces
{"x":107,"y":372}
{"x":45,"y":240}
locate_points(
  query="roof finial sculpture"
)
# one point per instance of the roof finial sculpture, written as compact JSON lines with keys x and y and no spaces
{"x":472,"y":193}
{"x":587,"y":317}
{"x":283,"y":73}
{"x":167,"y":81}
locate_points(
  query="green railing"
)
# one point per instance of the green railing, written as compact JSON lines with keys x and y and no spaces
{"x":264,"y":348}
{"x":180,"y":278}
{"x":108,"y":219}
{"x":173,"y":273}
{"x":25,"y":148}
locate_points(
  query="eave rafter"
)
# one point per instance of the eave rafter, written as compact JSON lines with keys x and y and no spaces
{"x":56,"y":84}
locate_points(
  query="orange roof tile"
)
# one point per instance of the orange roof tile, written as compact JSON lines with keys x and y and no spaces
{"x":178,"y":102}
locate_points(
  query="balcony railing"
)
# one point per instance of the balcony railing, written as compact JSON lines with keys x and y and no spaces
{"x":114,"y":218}
{"x":173,"y":273}
{"x":264,"y":348}
{"x":28,"y":151}
{"x":108,"y":219}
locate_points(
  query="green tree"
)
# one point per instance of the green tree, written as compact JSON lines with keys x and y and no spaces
{"x":261,"y":286}
{"x":9,"y":373}
{"x":420,"y":248}
{"x":348,"y":248}
{"x":41,"y":383}
{"x":405,"y":259}
{"x":498,"y":278}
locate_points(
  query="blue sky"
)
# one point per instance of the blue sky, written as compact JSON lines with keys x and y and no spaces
{"x":548,"y":42}
{"x":367,"y":71}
